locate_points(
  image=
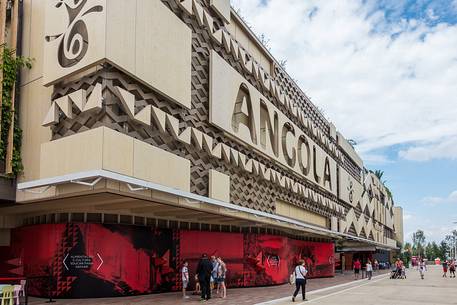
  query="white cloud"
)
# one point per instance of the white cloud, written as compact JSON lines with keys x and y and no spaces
{"x":375,"y":159}
{"x":437,"y":233}
{"x":407,"y":217}
{"x":433,"y":230}
{"x":433,"y":201}
{"x":431,"y":14}
{"x":444,"y":149}
{"x":381,"y":83}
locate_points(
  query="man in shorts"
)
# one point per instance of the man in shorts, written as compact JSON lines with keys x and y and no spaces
{"x":357,"y":267}
{"x":445,"y":265}
{"x":452,"y":269}
{"x":185,"y":278}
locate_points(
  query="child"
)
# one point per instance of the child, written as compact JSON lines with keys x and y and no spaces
{"x":185,"y":279}
{"x":197,"y":286}
{"x":403,"y":271}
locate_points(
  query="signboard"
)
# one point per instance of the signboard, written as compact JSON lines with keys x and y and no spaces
{"x":242,"y":111}
{"x":74,"y":262}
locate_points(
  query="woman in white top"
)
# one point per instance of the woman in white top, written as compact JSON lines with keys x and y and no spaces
{"x":369,"y":270}
{"x":422,"y":268}
{"x":300,"y":279}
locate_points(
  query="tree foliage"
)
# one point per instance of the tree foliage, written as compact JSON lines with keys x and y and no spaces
{"x":431,"y":250}
{"x":419,"y":243}
{"x":379,"y":173}
{"x":11,"y":66}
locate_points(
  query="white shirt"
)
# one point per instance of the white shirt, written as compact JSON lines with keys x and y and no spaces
{"x":300,"y":272}
{"x":185,"y":274}
{"x":369,"y":267}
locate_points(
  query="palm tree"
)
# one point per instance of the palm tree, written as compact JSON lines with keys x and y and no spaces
{"x":379,"y":173}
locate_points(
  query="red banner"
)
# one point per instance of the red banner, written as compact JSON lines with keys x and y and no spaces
{"x":94,"y":260}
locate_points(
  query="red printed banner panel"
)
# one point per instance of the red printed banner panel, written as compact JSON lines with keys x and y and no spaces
{"x":93,"y":260}
{"x":229,"y":246}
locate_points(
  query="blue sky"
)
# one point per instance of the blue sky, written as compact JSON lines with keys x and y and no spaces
{"x":385,"y":72}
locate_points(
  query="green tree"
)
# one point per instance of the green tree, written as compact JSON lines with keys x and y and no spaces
{"x":406,"y":253}
{"x":436,"y":250}
{"x":418,"y":243}
{"x":379,"y":173}
{"x":429,"y":254}
{"x":443,"y":250}
{"x":451,"y":242}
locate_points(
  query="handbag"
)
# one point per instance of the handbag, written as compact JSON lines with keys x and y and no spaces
{"x":293,"y":276}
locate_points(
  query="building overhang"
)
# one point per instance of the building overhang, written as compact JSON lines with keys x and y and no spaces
{"x":357,"y":244}
{"x":230,"y":211}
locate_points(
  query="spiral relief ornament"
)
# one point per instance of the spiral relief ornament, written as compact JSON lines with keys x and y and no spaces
{"x":74,"y":42}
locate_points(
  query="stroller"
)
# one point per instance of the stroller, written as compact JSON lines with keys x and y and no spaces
{"x":396,"y":274}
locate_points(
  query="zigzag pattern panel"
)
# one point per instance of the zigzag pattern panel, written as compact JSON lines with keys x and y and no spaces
{"x":246,"y":190}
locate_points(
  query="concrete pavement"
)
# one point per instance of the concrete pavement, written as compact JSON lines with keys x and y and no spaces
{"x":237,"y":296}
{"x":433,"y":290}
{"x":341,"y":290}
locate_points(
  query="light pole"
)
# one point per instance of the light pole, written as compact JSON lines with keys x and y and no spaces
{"x":455,"y":243}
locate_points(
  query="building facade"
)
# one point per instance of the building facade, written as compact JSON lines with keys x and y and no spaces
{"x":155,"y":131}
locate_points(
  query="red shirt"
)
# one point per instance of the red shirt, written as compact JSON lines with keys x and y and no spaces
{"x":357,"y":265}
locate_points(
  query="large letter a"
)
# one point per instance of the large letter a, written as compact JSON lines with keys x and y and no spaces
{"x":243,"y":113}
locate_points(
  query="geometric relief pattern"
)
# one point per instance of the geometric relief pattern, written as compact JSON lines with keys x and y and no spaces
{"x":360,"y":224}
{"x":310,"y":120}
{"x":78,"y":100}
{"x":129,"y":107}
{"x":290,"y":98}
{"x":150,"y":115}
{"x":370,"y":200}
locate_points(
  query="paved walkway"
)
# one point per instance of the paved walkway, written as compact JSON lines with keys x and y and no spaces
{"x":433,"y":290}
{"x":234,"y":296}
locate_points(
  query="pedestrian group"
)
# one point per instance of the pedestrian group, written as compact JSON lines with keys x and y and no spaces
{"x":449,"y":265}
{"x":210,"y":275}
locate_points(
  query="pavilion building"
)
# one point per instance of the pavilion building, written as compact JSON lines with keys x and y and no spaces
{"x":157,"y":130}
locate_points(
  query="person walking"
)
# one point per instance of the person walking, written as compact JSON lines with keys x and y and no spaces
{"x":369,"y":268}
{"x":220,"y":280}
{"x":375,"y":265}
{"x":445,"y":266}
{"x":213,"y":283}
{"x":422,"y":268}
{"x":185,"y":279}
{"x":300,"y":280}
{"x":452,"y":269}
{"x":357,"y":266}
{"x":204,"y":269}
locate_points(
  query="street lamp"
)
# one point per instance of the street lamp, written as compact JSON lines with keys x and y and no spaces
{"x":455,"y":242}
